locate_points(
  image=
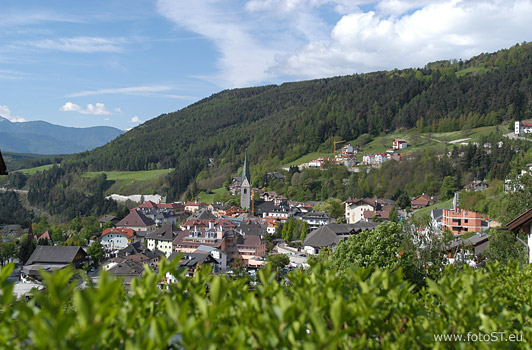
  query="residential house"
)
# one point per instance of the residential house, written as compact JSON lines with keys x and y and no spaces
{"x":126,"y":270}
{"x":138,"y":222}
{"x":218,"y":209}
{"x":374,"y":159}
{"x":202,"y":214}
{"x":162,"y":239}
{"x":399,"y":144}
{"x":476,"y":244}
{"x":422,"y":201}
{"x":192,"y":207}
{"x":315,"y":219}
{"x":460,"y":221}
{"x":117,"y":238}
{"x":108,"y":218}
{"x":319,"y":163}
{"x":522,"y":128}
{"x":476,"y":185}
{"x":51,"y":258}
{"x":135,"y":250}
{"x":329,"y":236}
{"x":355,"y":208}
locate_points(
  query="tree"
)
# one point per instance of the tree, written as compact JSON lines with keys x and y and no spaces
{"x":449,"y":186}
{"x":8,"y":250}
{"x":278,"y":263}
{"x":333,"y":206}
{"x":378,"y":248}
{"x":27,"y":246}
{"x":304,"y":231}
{"x":96,"y":252}
{"x":403,"y":201}
{"x":394,"y":214}
{"x":288,"y":230}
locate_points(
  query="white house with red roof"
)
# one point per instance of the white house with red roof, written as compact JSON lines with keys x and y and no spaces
{"x":117,"y":238}
{"x":522,"y":128}
{"x":399,"y":144}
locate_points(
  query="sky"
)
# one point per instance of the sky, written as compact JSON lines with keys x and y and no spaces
{"x":122,"y":62}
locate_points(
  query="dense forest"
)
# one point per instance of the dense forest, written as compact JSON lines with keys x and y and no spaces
{"x":286,"y":121}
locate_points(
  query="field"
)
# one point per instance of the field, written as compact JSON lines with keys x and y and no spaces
{"x":209,"y":197}
{"x":146,"y":175}
{"x":33,"y":171}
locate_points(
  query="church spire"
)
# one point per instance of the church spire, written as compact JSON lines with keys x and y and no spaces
{"x":245,"y":170}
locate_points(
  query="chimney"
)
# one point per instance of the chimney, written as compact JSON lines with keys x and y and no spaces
{"x":455,"y":201}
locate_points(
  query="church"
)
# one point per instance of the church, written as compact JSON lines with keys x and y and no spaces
{"x":245,"y":186}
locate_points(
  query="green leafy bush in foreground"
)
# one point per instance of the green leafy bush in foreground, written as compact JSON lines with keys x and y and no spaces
{"x":308,"y":310}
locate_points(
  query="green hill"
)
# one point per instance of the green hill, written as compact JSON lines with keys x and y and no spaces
{"x":283,"y":123}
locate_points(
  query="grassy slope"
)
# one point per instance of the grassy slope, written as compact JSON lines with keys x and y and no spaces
{"x":33,"y":171}
{"x":209,"y":197}
{"x":439,"y":205}
{"x":146,"y":175}
{"x":415,"y":142}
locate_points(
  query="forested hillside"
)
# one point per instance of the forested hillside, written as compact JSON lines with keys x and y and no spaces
{"x":284,"y":122}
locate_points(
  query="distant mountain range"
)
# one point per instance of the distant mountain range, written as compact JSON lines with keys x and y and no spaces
{"x":39,"y":137}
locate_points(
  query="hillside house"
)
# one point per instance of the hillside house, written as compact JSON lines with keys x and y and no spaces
{"x":476,"y":186}
{"x":422,"y":201}
{"x":522,"y":128}
{"x":399,"y":144}
{"x":319,"y":163}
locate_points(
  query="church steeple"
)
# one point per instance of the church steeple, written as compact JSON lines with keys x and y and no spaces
{"x":245,"y":170}
{"x":245,"y":187}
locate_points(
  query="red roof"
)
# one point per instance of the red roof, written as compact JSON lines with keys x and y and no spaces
{"x":45,"y":235}
{"x":526,"y":124}
{"x":175,"y":206}
{"x":126,"y":232}
{"x":400,"y":140}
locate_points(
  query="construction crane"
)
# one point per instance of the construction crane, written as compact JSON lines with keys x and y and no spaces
{"x":3,"y":168}
{"x":334,"y":147}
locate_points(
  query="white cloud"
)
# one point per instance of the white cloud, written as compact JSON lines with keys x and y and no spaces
{"x":70,"y":107}
{"x":83,"y":44}
{"x":5,"y":112}
{"x":117,"y":110}
{"x":136,"y":119}
{"x":133,"y":90}
{"x":96,"y":109}
{"x":265,"y":40}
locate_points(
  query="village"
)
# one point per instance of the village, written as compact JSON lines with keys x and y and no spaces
{"x":228,"y":237}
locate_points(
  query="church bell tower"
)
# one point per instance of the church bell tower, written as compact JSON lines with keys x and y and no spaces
{"x":245,"y":187}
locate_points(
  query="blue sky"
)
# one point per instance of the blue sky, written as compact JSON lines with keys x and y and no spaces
{"x":120,"y":63}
